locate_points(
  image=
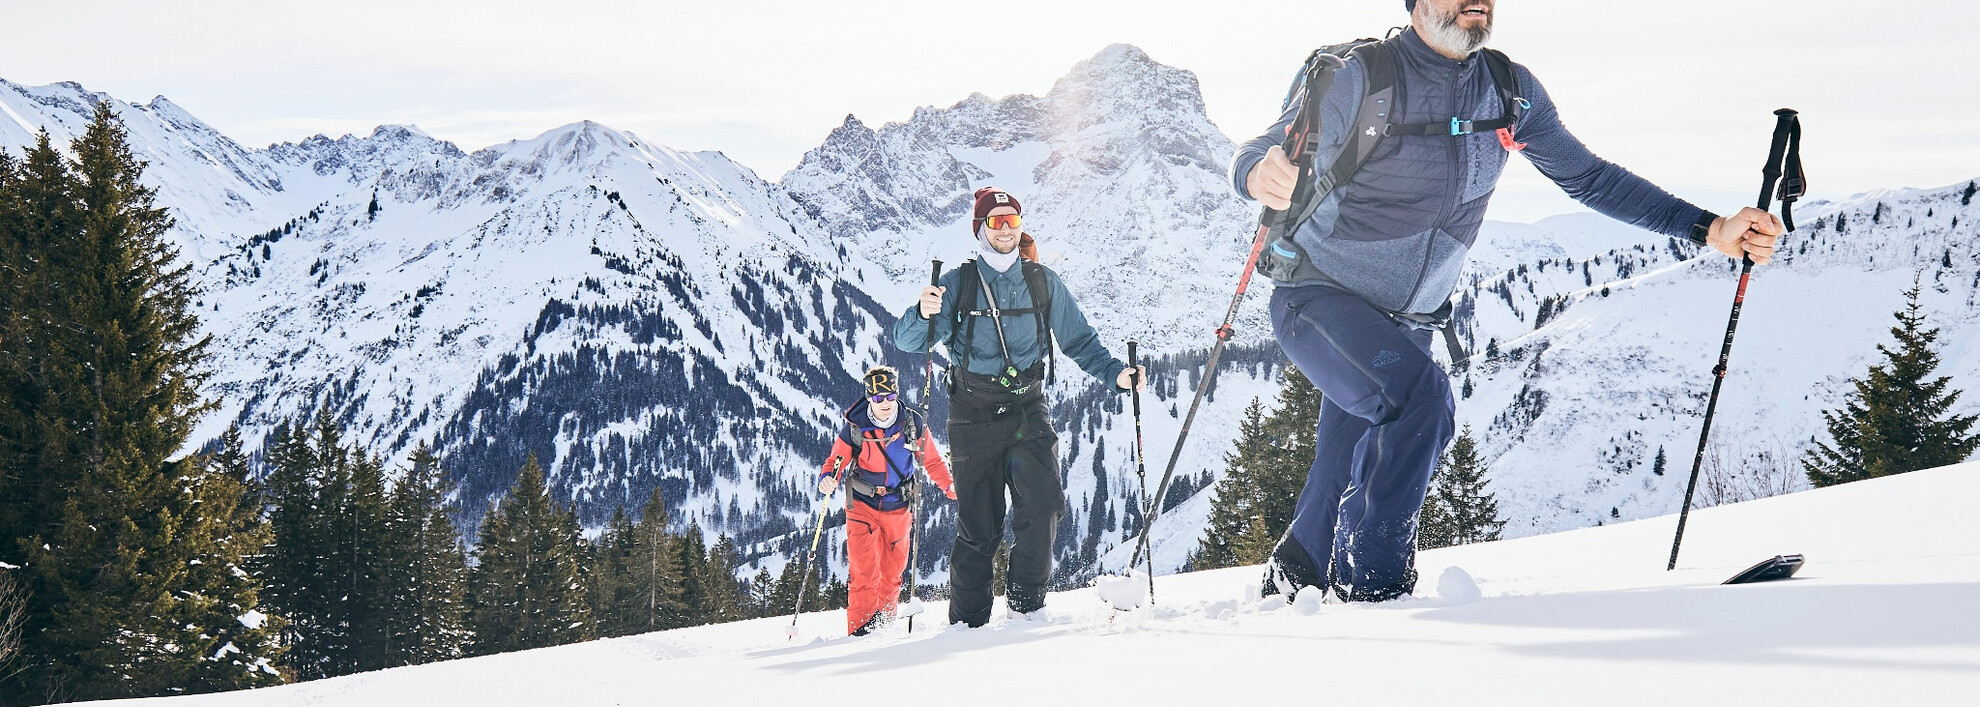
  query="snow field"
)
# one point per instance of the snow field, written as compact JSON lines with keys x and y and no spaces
{"x":1881,"y":614}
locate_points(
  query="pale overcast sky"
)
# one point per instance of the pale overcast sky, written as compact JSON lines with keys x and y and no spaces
{"x":1678,"y":90}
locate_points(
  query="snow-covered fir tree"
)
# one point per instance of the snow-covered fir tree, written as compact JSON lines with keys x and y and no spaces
{"x":425,"y":569}
{"x":1256,"y":498}
{"x":527,"y":589}
{"x":1899,"y":417}
{"x":131,"y":559}
{"x":1459,"y":510}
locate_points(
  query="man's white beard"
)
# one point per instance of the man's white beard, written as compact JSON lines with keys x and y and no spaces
{"x":1442,"y":31}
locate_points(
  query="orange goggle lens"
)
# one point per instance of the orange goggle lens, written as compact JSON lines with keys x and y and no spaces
{"x":1003,"y":221}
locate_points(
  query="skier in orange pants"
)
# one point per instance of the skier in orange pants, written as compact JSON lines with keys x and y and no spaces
{"x":884,"y":445}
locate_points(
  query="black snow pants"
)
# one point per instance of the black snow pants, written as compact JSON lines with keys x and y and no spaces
{"x":1001,"y":442}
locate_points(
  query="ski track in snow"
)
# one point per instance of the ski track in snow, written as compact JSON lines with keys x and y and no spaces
{"x":1881,"y":614}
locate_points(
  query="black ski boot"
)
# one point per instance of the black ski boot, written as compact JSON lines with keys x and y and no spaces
{"x":879,"y":620}
{"x":1024,"y":599}
{"x":1402,"y":588}
{"x":1288,"y":570}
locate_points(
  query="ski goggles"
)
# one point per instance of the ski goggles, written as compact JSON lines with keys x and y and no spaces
{"x":1003,"y":221}
{"x":882,"y":398}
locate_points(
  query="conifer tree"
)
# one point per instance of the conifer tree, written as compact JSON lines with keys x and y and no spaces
{"x":1263,"y":477}
{"x":762,"y":594}
{"x":655,"y":577}
{"x":1898,"y":418}
{"x":365,"y":539}
{"x":294,"y":567}
{"x":726,"y":597}
{"x":132,"y":559}
{"x":1434,"y":525}
{"x":691,"y":557}
{"x":1231,"y":511}
{"x":615,"y":609}
{"x":527,"y":589}
{"x":1470,"y":512}
{"x":425,"y":574}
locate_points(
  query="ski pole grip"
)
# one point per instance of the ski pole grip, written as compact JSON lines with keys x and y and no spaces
{"x":935,"y":278}
{"x":1134,"y":388}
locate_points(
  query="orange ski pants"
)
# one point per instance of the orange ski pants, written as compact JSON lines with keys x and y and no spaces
{"x":876,"y":553}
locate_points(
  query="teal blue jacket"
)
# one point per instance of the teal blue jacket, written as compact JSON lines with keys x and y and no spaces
{"x":1076,"y":337}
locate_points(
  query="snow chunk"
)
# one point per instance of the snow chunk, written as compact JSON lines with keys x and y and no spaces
{"x":1308,"y":600}
{"x":1125,"y":593}
{"x":1456,"y":586}
{"x":913,"y":607}
{"x":253,"y":619}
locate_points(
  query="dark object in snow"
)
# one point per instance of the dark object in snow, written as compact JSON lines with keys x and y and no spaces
{"x":1780,"y":567}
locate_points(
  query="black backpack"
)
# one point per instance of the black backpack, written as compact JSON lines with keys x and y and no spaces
{"x":968,"y":284}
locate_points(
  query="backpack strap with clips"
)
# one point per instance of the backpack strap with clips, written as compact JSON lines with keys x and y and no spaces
{"x":969,"y":284}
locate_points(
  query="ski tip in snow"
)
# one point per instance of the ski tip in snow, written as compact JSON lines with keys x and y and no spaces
{"x":1123,"y":592}
{"x":1779,"y":567}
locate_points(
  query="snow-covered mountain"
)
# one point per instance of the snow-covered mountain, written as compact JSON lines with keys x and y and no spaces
{"x":641,"y":317}
{"x":1122,"y":180}
{"x":636,"y":316}
{"x":1881,"y":613}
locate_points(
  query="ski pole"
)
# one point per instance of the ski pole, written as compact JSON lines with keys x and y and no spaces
{"x":1786,"y":146}
{"x":1149,"y":505}
{"x":804,"y":574}
{"x":1299,"y":145}
{"x":914,"y":489}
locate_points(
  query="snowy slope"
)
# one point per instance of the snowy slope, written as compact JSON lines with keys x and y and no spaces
{"x":1881,"y":614}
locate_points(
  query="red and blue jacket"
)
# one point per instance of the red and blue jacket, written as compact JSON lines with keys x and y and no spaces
{"x":883,"y":458}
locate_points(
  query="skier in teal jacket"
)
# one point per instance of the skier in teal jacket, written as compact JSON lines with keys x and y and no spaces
{"x":999,"y":314}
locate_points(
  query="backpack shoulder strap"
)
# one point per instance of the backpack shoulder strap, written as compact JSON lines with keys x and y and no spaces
{"x":1041,"y":304}
{"x":1506,"y":81}
{"x":1371,"y":119}
{"x":964,"y":331}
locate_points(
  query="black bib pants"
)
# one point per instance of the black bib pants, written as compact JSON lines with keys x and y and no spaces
{"x":1001,"y":442}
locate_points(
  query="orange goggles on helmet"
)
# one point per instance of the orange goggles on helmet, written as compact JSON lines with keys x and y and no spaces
{"x":1003,"y":221}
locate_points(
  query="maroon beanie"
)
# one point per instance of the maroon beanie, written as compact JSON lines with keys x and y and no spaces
{"x":989,"y":198}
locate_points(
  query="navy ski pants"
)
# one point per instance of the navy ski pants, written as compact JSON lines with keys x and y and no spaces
{"x":1386,"y":417}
